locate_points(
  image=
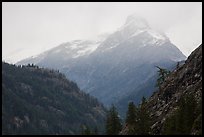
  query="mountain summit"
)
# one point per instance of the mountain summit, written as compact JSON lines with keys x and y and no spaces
{"x":135,"y":30}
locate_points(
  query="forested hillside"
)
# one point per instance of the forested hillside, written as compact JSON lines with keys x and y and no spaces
{"x":43,"y":101}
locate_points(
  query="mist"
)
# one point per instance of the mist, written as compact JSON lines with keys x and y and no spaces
{"x":31,"y":28}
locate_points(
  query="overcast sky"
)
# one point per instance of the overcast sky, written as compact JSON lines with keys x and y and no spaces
{"x":31,"y":28}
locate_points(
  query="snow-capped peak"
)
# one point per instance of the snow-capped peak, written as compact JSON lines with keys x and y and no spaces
{"x":134,"y":25}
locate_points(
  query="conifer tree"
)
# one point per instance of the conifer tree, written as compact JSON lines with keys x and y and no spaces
{"x":113,"y":122}
{"x":85,"y":130}
{"x":131,"y":114}
{"x":163,"y":73}
{"x":143,"y":119}
{"x":138,"y":119}
{"x":131,"y":119}
{"x":181,"y":122}
{"x":95,"y":131}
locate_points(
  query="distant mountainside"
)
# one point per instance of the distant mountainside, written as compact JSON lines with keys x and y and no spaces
{"x":43,"y":101}
{"x":177,"y":107}
{"x":115,"y":68}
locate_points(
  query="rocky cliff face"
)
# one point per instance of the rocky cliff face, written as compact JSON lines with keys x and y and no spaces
{"x":185,"y":80}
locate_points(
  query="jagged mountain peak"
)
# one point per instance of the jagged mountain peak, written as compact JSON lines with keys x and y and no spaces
{"x":135,"y":32}
{"x":135,"y":25}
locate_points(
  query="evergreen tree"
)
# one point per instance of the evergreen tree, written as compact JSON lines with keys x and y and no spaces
{"x":95,"y":131}
{"x":177,"y":65}
{"x":113,"y":122}
{"x":182,"y":121}
{"x":163,"y":73}
{"x":197,"y":124}
{"x":170,"y":126}
{"x":131,"y":114}
{"x":138,"y":119}
{"x":85,"y":130}
{"x":186,"y":113}
{"x":131,"y":118}
{"x":143,"y":119}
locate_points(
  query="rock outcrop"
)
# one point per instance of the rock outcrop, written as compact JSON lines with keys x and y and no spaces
{"x":184,"y":80}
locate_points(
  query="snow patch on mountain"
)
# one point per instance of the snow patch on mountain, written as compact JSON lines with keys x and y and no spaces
{"x":157,"y":35}
{"x":137,"y":33}
{"x":88,"y":49}
{"x":57,"y":51}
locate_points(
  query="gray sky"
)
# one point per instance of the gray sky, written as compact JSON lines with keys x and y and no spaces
{"x":31,"y":28}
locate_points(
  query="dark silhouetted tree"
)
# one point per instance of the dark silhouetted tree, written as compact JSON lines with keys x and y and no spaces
{"x":85,"y":130}
{"x":181,"y":122}
{"x":143,"y":119}
{"x":131,"y":119}
{"x":138,"y":119}
{"x":131,"y":114}
{"x":163,"y":73}
{"x":113,"y":122}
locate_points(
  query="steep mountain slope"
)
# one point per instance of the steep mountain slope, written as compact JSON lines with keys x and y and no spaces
{"x":174,"y":109}
{"x":42,"y":101}
{"x":183,"y":81}
{"x":120,"y":65}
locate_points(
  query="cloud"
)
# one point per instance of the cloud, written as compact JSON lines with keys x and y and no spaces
{"x":40,"y":26}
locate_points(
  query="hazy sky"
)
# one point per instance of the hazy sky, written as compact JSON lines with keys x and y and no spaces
{"x":31,"y":28}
